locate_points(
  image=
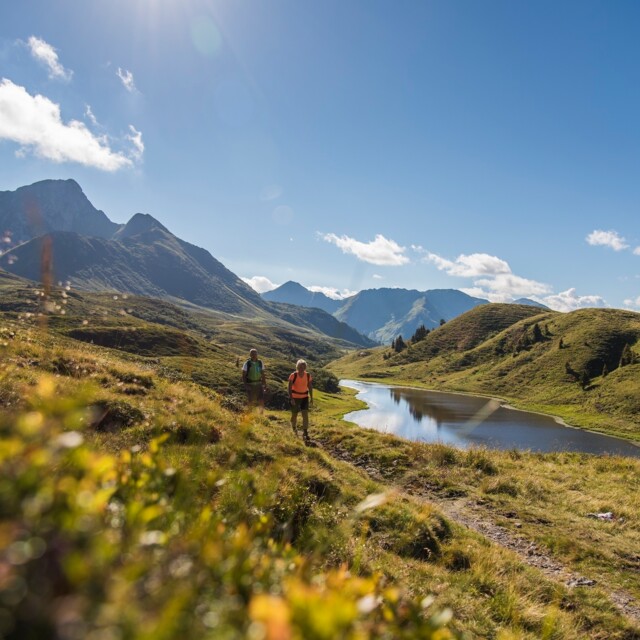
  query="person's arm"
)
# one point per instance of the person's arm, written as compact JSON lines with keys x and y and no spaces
{"x":290,"y":385}
{"x":244,"y":373}
{"x":310,"y":389}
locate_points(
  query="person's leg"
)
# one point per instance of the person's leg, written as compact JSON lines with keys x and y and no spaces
{"x":250,"y":401}
{"x":294,"y":415}
{"x":260,"y":397}
{"x":304,"y":406}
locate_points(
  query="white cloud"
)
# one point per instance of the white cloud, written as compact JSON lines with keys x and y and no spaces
{"x":135,"y":137}
{"x":380,"y":251}
{"x":260,"y":283}
{"x":34,"y":122}
{"x":377,"y":276}
{"x":505,"y":287}
{"x":611,"y":239}
{"x":492,"y":277}
{"x":127,"y":80}
{"x":569,"y":301}
{"x":636,"y":251}
{"x":89,"y":114}
{"x":332,"y":292}
{"x":471,"y":266}
{"x":44,"y":53}
{"x":629,"y":302}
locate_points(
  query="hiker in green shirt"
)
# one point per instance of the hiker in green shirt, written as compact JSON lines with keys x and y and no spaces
{"x":255,"y":381}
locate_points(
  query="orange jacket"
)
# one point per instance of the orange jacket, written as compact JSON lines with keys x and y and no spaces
{"x":300,"y":385}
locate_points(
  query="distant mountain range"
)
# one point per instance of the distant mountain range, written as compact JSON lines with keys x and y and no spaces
{"x":57,"y":230}
{"x":294,"y":293}
{"x":384,"y":314}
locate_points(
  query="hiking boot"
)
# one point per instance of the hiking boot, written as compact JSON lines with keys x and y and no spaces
{"x":305,"y":436}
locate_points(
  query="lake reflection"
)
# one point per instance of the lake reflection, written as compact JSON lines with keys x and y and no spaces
{"x":463,"y":421}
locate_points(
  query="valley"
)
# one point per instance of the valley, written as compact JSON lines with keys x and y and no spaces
{"x":134,"y":479}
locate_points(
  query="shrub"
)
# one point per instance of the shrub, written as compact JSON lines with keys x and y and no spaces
{"x":326,"y":381}
{"x":480,"y":460}
{"x":406,"y":533}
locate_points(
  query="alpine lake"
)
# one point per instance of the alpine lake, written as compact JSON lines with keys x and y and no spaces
{"x":467,"y":421}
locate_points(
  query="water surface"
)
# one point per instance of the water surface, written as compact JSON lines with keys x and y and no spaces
{"x":463,"y":421}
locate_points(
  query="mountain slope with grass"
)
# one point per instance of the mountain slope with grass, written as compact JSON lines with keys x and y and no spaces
{"x":152,"y":263}
{"x":144,"y":503}
{"x":565,"y":364}
{"x":190,"y":343}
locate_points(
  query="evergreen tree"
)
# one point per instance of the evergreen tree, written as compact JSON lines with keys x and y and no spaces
{"x":442,"y":321}
{"x":400,"y":344}
{"x":420,"y":334}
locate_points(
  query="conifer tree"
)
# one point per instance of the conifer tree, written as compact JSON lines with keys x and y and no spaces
{"x":420,"y":334}
{"x":400,"y":344}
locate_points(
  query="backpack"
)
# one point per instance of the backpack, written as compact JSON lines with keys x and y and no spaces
{"x":249,"y":363}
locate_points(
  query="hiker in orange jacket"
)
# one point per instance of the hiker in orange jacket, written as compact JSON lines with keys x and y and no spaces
{"x":300,"y":396}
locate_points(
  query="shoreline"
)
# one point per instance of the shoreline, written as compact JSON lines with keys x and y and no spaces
{"x":503,"y":403}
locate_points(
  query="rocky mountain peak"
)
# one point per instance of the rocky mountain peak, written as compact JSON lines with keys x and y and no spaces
{"x":51,"y":205}
{"x":140,"y":223}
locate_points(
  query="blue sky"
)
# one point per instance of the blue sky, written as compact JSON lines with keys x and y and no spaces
{"x":489,"y":146}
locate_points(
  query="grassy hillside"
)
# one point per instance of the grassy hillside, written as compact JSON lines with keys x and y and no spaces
{"x":188,"y":343}
{"x":134,"y":504}
{"x":557,"y":368}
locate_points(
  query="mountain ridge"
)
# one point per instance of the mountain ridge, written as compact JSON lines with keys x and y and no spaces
{"x":141,"y":257}
{"x":384,"y":314}
{"x":51,"y":205}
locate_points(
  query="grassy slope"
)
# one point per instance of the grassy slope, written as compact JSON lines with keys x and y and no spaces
{"x":188,"y":342}
{"x":264,"y":485}
{"x":482,"y":352}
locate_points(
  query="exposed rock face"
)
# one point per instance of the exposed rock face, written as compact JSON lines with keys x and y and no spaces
{"x":51,"y":205}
